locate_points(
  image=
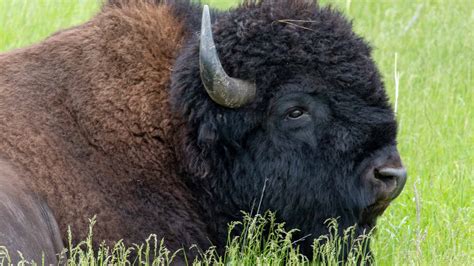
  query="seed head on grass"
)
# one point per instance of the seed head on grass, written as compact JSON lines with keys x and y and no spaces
{"x":4,"y":256}
{"x":256,"y":240}
{"x":152,"y":252}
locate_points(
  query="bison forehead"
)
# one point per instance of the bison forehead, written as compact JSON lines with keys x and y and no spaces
{"x":273,"y":42}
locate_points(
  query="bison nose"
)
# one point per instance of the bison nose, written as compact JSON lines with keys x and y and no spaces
{"x":394,"y":179}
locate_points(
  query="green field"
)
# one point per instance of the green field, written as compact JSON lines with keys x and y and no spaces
{"x":426,"y":49}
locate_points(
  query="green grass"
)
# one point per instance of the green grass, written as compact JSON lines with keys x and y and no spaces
{"x":429,"y":46}
{"x":263,"y":242}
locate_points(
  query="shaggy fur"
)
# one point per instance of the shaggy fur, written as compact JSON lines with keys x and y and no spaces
{"x":85,"y":116}
{"x":101,"y":120}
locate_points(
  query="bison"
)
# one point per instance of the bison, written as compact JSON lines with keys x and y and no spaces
{"x":158,"y":120}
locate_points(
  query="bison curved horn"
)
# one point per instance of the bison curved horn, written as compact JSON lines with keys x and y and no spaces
{"x":224,"y":90}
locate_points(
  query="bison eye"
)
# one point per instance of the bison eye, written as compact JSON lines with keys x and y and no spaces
{"x":295,"y":113}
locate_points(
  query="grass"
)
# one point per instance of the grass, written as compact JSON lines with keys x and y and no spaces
{"x":264,"y":242}
{"x":425,"y":51}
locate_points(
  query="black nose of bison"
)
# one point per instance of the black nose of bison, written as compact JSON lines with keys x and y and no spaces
{"x":390,"y":176}
{"x":387,"y":175}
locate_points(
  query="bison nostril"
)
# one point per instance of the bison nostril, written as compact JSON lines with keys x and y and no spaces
{"x":396,"y":173}
{"x":388,"y":175}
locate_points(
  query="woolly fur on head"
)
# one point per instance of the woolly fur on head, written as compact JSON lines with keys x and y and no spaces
{"x":272,"y":42}
{"x":285,"y":47}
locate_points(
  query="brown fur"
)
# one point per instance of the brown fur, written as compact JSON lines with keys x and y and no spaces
{"x":84,"y":116}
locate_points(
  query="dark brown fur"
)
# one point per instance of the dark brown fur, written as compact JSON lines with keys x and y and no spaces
{"x":84,"y":116}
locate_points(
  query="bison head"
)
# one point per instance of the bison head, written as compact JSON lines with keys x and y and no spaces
{"x":289,"y":100}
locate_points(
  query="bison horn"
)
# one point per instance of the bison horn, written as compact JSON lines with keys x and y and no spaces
{"x":224,"y":90}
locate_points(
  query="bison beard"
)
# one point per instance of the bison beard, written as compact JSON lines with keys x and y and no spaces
{"x":94,"y":120}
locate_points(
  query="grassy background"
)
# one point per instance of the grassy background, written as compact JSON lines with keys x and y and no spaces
{"x":428,"y":46}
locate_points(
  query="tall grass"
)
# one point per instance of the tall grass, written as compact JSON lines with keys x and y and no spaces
{"x":425,"y":51}
{"x":262,"y":241}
